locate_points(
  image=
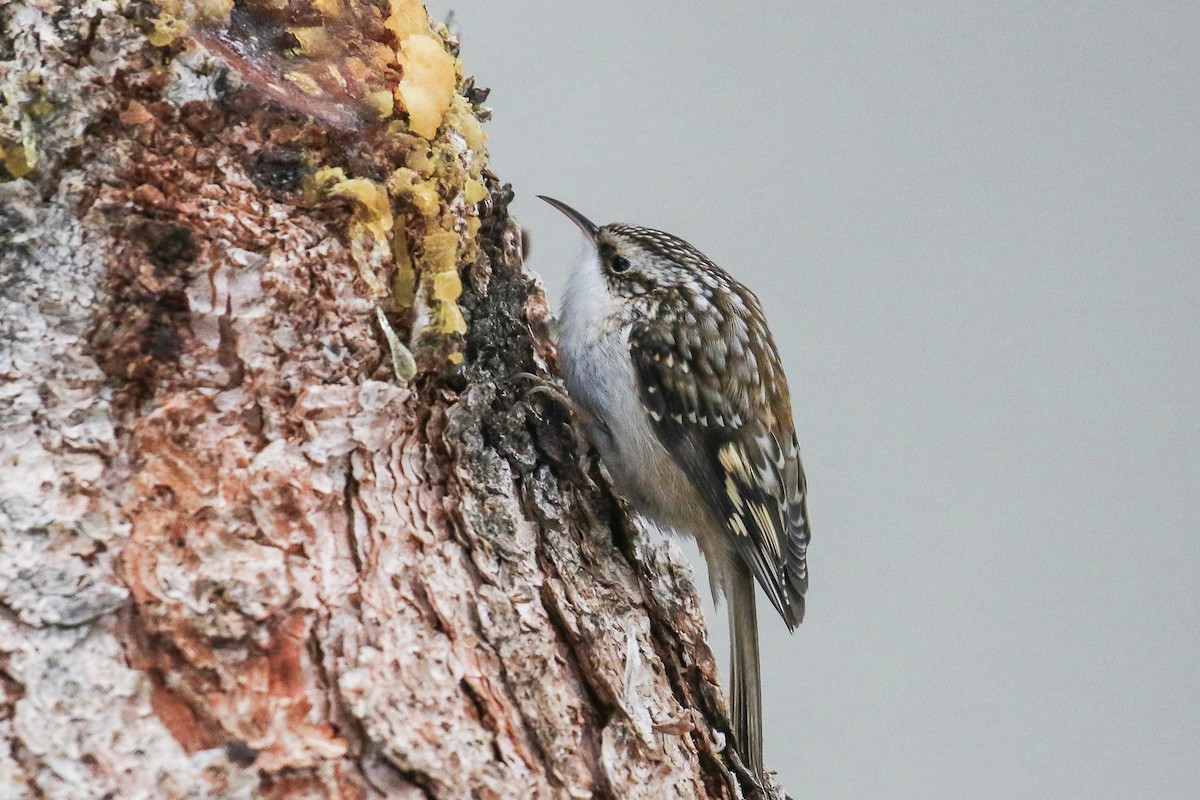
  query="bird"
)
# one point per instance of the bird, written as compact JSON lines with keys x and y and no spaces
{"x":684,"y":398}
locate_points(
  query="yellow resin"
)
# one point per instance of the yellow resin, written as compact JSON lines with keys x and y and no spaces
{"x":406,"y":18}
{"x":20,"y":159}
{"x":428,"y":83}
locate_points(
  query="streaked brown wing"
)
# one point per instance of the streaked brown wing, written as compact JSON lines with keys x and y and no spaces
{"x":748,"y":473}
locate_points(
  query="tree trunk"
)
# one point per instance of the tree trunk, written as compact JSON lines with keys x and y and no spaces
{"x":279,"y":515}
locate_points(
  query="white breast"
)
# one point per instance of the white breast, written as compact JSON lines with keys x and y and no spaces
{"x":598,"y":372}
{"x":592,"y":344}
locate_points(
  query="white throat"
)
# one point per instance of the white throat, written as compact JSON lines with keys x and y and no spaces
{"x":587,"y":305}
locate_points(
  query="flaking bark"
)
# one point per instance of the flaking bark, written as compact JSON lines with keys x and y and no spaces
{"x":236,"y":558}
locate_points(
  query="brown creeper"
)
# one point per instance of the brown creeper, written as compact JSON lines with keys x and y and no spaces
{"x":672,"y":359}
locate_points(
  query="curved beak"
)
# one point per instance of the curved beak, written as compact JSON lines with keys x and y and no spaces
{"x":585,"y":224}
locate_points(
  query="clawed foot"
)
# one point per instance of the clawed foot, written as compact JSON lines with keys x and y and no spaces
{"x":579,"y":418}
{"x":546,"y":386}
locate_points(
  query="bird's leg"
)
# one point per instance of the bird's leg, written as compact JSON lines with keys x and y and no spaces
{"x":580,"y":419}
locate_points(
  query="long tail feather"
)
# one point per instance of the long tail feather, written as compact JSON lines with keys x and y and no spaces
{"x":745,"y":683}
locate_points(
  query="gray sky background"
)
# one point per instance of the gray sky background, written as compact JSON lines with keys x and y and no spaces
{"x":976,"y":231}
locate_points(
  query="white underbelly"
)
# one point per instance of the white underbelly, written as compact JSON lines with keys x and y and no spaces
{"x":598,"y":372}
{"x":599,"y":376}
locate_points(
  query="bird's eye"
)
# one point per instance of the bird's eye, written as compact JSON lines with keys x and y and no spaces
{"x":620,"y":264}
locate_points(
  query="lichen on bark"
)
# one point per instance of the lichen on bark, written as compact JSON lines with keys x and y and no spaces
{"x":239,"y":555}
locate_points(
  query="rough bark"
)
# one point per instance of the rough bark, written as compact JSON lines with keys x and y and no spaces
{"x":239,"y":556}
